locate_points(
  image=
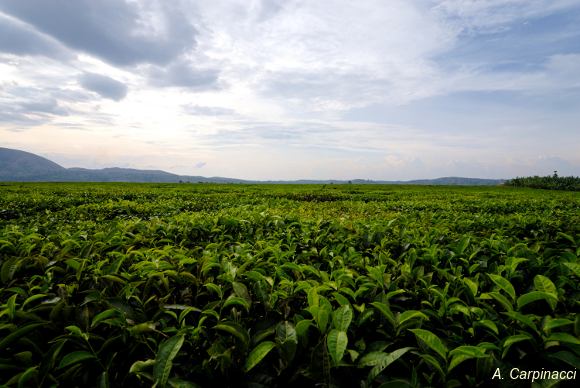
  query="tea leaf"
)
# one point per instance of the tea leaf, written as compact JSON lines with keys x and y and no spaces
{"x":258,"y":354}
{"x":164,"y":359}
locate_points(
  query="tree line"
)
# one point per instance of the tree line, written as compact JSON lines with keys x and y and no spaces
{"x":550,"y":182}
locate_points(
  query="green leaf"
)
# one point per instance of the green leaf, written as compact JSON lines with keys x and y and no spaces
{"x":234,"y":329}
{"x":463,"y":353}
{"x":214,"y":288}
{"x":473,"y":286}
{"x":342,"y":317}
{"x":432,"y":341}
{"x":563,"y":337}
{"x":32,"y":299}
{"x":75,"y":358}
{"x":371,"y":359}
{"x":499,"y":298}
{"x":434,"y":362}
{"x":302,"y":327}
{"x":566,"y":357}
{"x":462,"y":245}
{"x":509,"y":341}
{"x":321,"y":315}
{"x":144,"y":327}
{"x":567,"y":237}
{"x":488,"y":324}
{"x":386,"y":311}
{"x":9,"y":268}
{"x":287,"y":339}
{"x":513,"y":262}
{"x":237,"y":301}
{"x":544,"y":284}
{"x":103,"y":381}
{"x":395,"y":293}
{"x":11,"y":306}
{"x":533,"y":296}
{"x":313,"y":297}
{"x":258,"y":354}
{"x":525,"y":319}
{"x":14,"y":336}
{"x":103,"y":316}
{"x":139,"y":366}
{"x":375,"y":358}
{"x":242,"y":291}
{"x":410,"y":314}
{"x":551,"y":324}
{"x":574,"y":267}
{"x":24,"y":380}
{"x":336,"y":342}
{"x":164,"y":359}
{"x":383,"y":361}
{"x":504,"y":284}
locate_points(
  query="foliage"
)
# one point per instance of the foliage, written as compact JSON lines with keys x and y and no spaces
{"x":257,"y":285}
{"x":550,"y":182}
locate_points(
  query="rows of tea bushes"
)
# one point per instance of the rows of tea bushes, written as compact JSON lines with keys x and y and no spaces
{"x":263,"y":286}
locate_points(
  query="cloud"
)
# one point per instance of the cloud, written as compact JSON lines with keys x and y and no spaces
{"x":19,"y":38}
{"x":28,"y":106}
{"x":472,"y":16}
{"x":184,"y":74}
{"x":104,"y":86}
{"x":26,"y":113}
{"x":119,"y":32}
{"x":199,"y":110}
{"x":365,"y":86}
{"x":319,"y":56}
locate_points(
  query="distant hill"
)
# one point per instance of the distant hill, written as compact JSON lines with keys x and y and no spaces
{"x":22,"y":166}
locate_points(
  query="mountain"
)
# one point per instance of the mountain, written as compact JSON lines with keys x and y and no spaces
{"x":22,"y":166}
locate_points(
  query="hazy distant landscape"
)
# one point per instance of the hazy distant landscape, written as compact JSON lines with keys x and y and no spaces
{"x":288,"y":193}
{"x":20,"y":166}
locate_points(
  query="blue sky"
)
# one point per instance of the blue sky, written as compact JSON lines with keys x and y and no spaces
{"x":273,"y":89}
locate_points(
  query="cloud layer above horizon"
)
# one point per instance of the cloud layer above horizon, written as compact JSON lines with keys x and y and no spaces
{"x":272,"y":89}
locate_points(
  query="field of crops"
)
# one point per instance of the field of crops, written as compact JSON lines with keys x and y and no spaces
{"x":129,"y":285}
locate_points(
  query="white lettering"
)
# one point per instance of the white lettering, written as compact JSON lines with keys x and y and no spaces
{"x":497,"y":374}
{"x":535,"y":375}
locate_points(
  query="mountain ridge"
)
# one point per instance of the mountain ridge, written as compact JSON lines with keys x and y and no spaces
{"x":23,"y":166}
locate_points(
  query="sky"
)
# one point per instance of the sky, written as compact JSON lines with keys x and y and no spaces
{"x":285,"y":89}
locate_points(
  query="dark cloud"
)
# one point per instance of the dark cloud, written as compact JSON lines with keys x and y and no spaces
{"x":44,"y":106}
{"x":119,"y":32}
{"x":185,"y":75}
{"x":104,"y":86}
{"x":27,"y":106}
{"x":21,"y":39}
{"x":29,"y":113}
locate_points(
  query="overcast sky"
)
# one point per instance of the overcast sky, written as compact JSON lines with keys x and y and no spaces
{"x":279,"y":89}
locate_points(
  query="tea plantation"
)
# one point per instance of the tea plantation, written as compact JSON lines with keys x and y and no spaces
{"x":128,"y":285}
